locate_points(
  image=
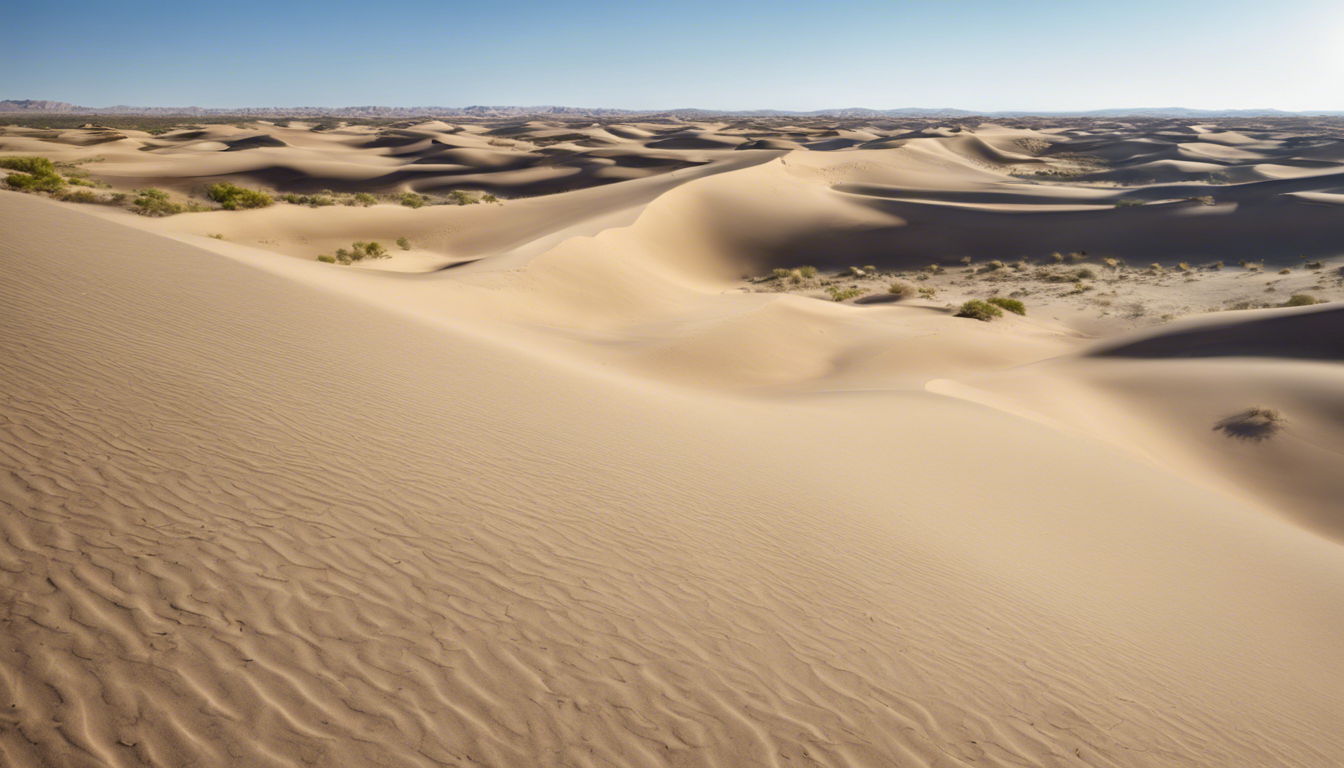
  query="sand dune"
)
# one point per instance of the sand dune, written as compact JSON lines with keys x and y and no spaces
{"x":594,"y":488}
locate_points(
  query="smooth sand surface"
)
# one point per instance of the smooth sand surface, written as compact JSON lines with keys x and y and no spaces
{"x":594,"y":499}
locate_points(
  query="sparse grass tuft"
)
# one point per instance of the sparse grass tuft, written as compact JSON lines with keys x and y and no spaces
{"x":903,"y":290}
{"x":403,"y":244}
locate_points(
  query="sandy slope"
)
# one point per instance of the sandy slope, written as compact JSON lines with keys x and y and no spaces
{"x":592,"y":500}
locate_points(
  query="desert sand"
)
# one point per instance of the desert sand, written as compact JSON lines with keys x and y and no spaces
{"x":575,"y":479}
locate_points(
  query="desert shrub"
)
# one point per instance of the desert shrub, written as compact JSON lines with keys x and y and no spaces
{"x":155,"y":202}
{"x":869,"y":268}
{"x":1255,"y":423}
{"x":855,"y":272}
{"x":839,"y":294}
{"x":928,"y":293}
{"x":807,"y":272}
{"x":36,"y":166}
{"x":901,"y":289}
{"x":1216,"y":265}
{"x":365,"y":199}
{"x":781,"y":273}
{"x":1315,"y":265}
{"x":232,"y":197}
{"x":79,"y":196}
{"x":412,"y":200}
{"x":489,"y":199}
{"x":979,"y":310}
{"x":1202,"y":200}
{"x":1285,"y":271}
{"x":934,"y":269}
{"x":326,"y":259}
{"x":1077,"y":256}
{"x":1129,"y":202}
{"x":1081,"y":288}
{"x":403,"y":244}
{"x":216,"y":236}
{"x":1012,"y":305}
{"x":1085,"y":274}
{"x":28,"y":182}
{"x":462,"y":198}
{"x":993,"y":266}
{"x":81,"y":182}
{"x":1301,"y":300}
{"x":1057,"y":257}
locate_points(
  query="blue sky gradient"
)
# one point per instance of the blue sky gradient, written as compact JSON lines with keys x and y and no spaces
{"x":971,"y":54}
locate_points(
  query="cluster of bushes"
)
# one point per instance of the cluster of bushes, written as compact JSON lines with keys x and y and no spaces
{"x":231,"y":197}
{"x":315,"y":201}
{"x":35,"y":174}
{"x":412,"y":200}
{"x":359,"y":251}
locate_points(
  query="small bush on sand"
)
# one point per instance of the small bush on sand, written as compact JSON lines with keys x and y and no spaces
{"x":232,"y":197}
{"x":903,"y":290}
{"x":1012,"y":305}
{"x":807,"y":272}
{"x":781,"y":273}
{"x":81,"y":182}
{"x":979,"y":310}
{"x":1301,"y":300}
{"x":36,"y":166}
{"x":1285,"y":271}
{"x":412,"y":200}
{"x":870,"y":269}
{"x":838,"y":294}
{"x":325,"y":259}
{"x":155,"y":202}
{"x":1255,"y":423}
{"x":79,"y":196}
{"x":1129,"y":202}
{"x":365,"y":199}
{"x":1315,"y":265}
{"x":489,"y":199}
{"x":1085,"y":274}
{"x":462,"y":198}
{"x":993,"y":266}
{"x":928,"y":293}
{"x":403,"y":244}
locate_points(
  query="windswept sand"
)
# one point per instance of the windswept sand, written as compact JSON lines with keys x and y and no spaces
{"x":592,"y":497}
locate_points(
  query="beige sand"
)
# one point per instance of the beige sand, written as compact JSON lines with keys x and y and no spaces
{"x":594,"y":499}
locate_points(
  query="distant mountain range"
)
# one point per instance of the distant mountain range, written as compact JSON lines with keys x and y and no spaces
{"x":12,"y":106}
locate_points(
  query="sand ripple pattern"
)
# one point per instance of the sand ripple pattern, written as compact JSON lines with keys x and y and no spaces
{"x":248,"y":524}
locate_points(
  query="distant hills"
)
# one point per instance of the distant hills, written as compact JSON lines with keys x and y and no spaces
{"x":12,"y":106}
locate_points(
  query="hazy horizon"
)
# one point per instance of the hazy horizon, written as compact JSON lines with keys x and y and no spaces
{"x":1022,"y":55}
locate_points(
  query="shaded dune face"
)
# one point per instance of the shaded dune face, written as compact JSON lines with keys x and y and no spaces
{"x":575,"y":480}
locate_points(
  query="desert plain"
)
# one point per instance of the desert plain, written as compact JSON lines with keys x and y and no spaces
{"x":744,"y":442}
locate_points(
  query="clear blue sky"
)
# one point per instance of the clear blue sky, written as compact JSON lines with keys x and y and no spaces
{"x":719,"y":54}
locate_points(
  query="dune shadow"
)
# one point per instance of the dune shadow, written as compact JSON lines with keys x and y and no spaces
{"x":1254,"y":424}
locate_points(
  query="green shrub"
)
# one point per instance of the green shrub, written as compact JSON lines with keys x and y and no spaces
{"x":993,"y":266}
{"x":838,"y":294}
{"x":1301,"y":300}
{"x":403,"y":244}
{"x":462,"y":198}
{"x":325,"y":259}
{"x":81,"y":182}
{"x":1129,"y":202}
{"x":1085,"y":274}
{"x":79,"y":196}
{"x":1012,"y":305}
{"x":412,"y":200}
{"x":365,"y":199}
{"x":155,"y":202}
{"x":231,"y":197}
{"x":781,"y":273}
{"x":901,"y":289}
{"x":979,"y":310}
{"x":37,"y":166}
{"x":30,"y":183}
{"x":489,"y":199}
{"x":807,"y":272}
